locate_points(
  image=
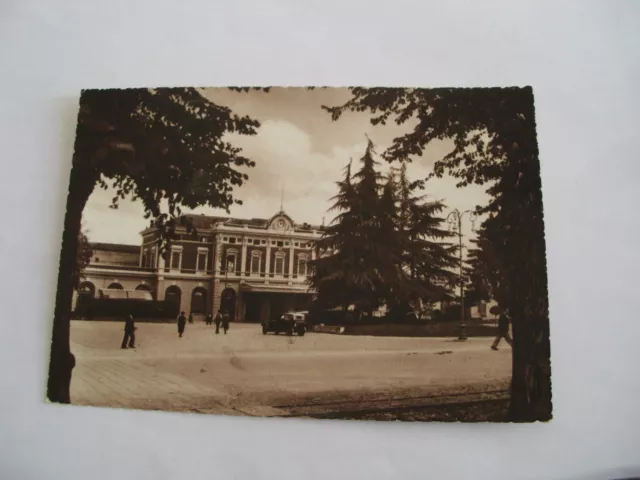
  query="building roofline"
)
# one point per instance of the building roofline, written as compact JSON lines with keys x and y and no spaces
{"x":115,"y":247}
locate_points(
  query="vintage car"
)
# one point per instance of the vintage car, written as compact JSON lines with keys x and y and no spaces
{"x":288,"y":323}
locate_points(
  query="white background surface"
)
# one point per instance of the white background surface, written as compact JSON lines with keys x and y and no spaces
{"x":583,"y":60}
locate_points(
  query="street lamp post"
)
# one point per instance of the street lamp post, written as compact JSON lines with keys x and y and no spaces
{"x":455,"y":222}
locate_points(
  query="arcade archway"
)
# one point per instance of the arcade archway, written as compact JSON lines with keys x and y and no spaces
{"x":199,"y":300}
{"x":87,"y":288}
{"x":228,"y":302}
{"x":173,"y":295}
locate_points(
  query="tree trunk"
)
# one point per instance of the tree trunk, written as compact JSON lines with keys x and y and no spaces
{"x":62,"y":360}
{"x":531,"y":375}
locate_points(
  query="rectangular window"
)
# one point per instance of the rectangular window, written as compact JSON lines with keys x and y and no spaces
{"x":302,"y":267}
{"x":202,"y":261}
{"x":279,"y":244}
{"x":231,"y":263}
{"x":152,"y":261}
{"x":256,"y":242}
{"x":144,"y":260}
{"x":255,"y":263}
{"x":175,"y":260}
{"x":264,"y":242}
{"x":273,"y":242}
{"x":279,"y":265}
{"x":203,"y":240}
{"x":232,"y":240}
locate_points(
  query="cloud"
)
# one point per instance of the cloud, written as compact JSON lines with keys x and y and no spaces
{"x":285,"y":156}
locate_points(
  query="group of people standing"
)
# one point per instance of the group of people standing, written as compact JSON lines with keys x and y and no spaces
{"x":222,"y":318}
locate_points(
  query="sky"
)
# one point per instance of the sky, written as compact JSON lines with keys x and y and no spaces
{"x":300,"y":153}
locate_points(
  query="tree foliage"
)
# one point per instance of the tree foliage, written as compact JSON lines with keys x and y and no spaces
{"x":160,"y":145}
{"x":427,"y":253}
{"x":357,"y":262}
{"x":493,"y":130}
{"x":385,"y":246}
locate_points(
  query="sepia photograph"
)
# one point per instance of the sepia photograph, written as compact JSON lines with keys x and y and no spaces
{"x":345,"y":253}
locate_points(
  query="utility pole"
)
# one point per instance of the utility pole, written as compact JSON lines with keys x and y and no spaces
{"x":455,"y":222}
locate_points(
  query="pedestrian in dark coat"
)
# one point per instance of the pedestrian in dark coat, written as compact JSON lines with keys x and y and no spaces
{"x":218,"y":321}
{"x":129,"y":332}
{"x":190,"y":317}
{"x":209,"y":319}
{"x":225,"y":321}
{"x":182,"y":321}
{"x":503,"y":331}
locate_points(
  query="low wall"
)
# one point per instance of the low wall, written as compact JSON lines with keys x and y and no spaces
{"x":196,"y":319}
{"x":442,"y":329}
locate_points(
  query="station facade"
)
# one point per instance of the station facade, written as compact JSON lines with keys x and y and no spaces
{"x":252,"y":268}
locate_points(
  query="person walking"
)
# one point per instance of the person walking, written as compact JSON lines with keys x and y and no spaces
{"x":182,"y":321}
{"x":225,"y":321}
{"x":129,"y":332}
{"x":190,"y":317}
{"x":218,"y":321}
{"x":208,"y":320}
{"x":503,"y":331}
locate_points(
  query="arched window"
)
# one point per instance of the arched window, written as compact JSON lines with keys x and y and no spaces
{"x":115,"y":286}
{"x":144,"y":286}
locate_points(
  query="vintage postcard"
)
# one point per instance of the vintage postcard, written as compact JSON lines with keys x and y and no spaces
{"x":345,"y":253}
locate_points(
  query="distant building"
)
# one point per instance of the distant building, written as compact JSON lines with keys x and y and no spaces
{"x":483,"y":310}
{"x":251,"y":268}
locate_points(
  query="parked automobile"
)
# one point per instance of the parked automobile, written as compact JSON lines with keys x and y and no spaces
{"x":288,"y":323}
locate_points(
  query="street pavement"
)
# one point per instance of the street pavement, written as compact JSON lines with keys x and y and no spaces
{"x":248,"y":373}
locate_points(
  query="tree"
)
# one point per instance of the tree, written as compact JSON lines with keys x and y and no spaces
{"x":153,"y":145}
{"x":482,"y":273}
{"x":360,"y":262}
{"x":494,"y":135}
{"x":331,"y":269}
{"x":427,"y":255}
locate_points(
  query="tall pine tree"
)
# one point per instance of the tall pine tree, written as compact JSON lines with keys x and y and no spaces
{"x":359,"y":261}
{"x":385,"y":246}
{"x":426,"y":254}
{"x":331,"y":270}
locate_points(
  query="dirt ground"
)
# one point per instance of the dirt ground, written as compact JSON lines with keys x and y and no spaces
{"x":318,"y":375}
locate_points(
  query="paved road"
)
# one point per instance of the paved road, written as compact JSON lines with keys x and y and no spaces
{"x":246,"y":372}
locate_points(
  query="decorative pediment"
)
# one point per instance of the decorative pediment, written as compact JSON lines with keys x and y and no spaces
{"x":281,"y":221}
